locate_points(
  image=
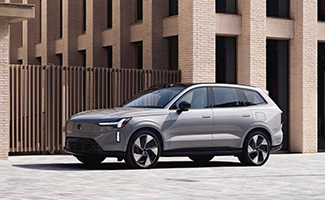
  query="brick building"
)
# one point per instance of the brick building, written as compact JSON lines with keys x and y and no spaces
{"x":272,"y":44}
{"x":9,"y":14}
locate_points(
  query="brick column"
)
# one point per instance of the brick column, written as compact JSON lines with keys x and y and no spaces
{"x":123,"y":50}
{"x":196,"y":37}
{"x":4,"y":89}
{"x":50,"y":31}
{"x":72,"y":23}
{"x":303,"y":77}
{"x":251,"y":67}
{"x":155,"y":47}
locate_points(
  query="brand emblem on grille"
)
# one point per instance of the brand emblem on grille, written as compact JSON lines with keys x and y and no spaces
{"x":79,"y":127}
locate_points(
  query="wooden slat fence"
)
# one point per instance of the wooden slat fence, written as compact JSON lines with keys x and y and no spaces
{"x":42,"y":98}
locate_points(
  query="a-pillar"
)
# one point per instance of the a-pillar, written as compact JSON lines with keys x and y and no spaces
{"x":303,"y":77}
{"x":196,"y":36}
{"x":251,"y":67}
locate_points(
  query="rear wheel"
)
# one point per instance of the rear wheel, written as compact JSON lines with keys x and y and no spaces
{"x":143,"y":150}
{"x":201,"y":159}
{"x":90,"y":160}
{"x":256,"y":149}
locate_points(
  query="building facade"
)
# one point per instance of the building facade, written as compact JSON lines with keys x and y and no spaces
{"x":278,"y":45}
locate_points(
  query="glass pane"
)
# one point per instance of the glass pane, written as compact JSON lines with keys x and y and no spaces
{"x":321,"y":95}
{"x":253,"y":98}
{"x":278,"y":8}
{"x":277,"y":79}
{"x":173,"y":7}
{"x":196,"y":97}
{"x":226,"y":59}
{"x":321,"y":10}
{"x":173,"y":53}
{"x":139,"y":9}
{"x":226,"y":97}
{"x":226,"y":6}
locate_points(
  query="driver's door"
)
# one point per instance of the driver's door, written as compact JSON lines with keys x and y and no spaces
{"x":192,"y":128}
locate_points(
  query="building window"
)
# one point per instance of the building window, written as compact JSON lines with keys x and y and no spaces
{"x":321,"y":96}
{"x":60,"y":59}
{"x":173,"y":7}
{"x":277,"y":79}
{"x":61,"y":19}
{"x":321,"y":10}
{"x":226,"y":59}
{"x":83,"y":58}
{"x":139,"y":10}
{"x":109,"y":56}
{"x":109,"y":14}
{"x":84,"y":15}
{"x":226,"y":6}
{"x":139,"y":55}
{"x":173,"y":53}
{"x":40,"y":21}
{"x":278,"y":8}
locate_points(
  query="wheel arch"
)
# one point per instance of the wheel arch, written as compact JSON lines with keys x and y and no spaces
{"x":264,"y":130}
{"x":155,"y":131}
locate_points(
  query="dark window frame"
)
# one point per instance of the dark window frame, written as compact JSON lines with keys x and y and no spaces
{"x":138,"y":62}
{"x":109,"y":13}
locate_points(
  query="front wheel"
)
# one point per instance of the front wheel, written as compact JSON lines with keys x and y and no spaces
{"x":90,"y":160}
{"x":256,"y":149}
{"x":143,"y":150}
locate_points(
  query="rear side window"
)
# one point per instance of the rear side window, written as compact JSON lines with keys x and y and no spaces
{"x":226,"y":97}
{"x":253,"y":98}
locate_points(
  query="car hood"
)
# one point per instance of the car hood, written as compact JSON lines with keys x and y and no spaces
{"x":116,"y":113}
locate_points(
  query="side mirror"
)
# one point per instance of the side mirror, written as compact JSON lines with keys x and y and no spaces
{"x":184,"y":106}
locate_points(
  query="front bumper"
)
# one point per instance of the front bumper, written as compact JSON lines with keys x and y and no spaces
{"x":88,"y":146}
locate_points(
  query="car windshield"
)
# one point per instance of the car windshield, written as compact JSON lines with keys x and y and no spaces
{"x":154,"y":97}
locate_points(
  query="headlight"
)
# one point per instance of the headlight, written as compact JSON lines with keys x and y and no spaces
{"x":119,"y":124}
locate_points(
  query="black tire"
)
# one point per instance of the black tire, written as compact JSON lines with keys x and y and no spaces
{"x":256,"y":149}
{"x":143,"y":150}
{"x":90,"y":160}
{"x":201,"y":159}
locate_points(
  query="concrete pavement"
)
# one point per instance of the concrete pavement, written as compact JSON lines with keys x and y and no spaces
{"x":284,"y":176}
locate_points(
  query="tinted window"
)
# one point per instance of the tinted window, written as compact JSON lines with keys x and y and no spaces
{"x":226,"y":97}
{"x":153,"y":97}
{"x":253,"y":98}
{"x":196,"y":97}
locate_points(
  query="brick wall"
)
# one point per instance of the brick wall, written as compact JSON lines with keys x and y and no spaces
{"x":4,"y":89}
{"x":252,"y":43}
{"x":303,"y":77}
{"x":196,"y":35}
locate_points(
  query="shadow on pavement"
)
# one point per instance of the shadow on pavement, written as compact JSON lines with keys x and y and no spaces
{"x":122,"y":166}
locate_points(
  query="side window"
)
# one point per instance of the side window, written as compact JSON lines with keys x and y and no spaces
{"x":196,"y":97}
{"x":226,"y":97}
{"x":253,"y":98}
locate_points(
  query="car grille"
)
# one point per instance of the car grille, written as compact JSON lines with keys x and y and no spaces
{"x":83,"y":145}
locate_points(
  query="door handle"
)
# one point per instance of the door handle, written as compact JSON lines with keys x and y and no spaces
{"x":246,"y":115}
{"x":206,"y":116}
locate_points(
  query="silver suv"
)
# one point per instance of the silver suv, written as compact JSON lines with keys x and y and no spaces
{"x":195,"y":120}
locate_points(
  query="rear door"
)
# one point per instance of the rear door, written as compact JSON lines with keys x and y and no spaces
{"x":231,"y":117}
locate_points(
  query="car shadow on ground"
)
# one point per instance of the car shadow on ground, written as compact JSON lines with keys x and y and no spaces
{"x":123,"y":166}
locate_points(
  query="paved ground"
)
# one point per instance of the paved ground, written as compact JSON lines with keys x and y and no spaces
{"x":285,"y":176}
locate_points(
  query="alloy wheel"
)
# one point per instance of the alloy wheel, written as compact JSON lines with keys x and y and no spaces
{"x":258,"y":149}
{"x":145,"y":150}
